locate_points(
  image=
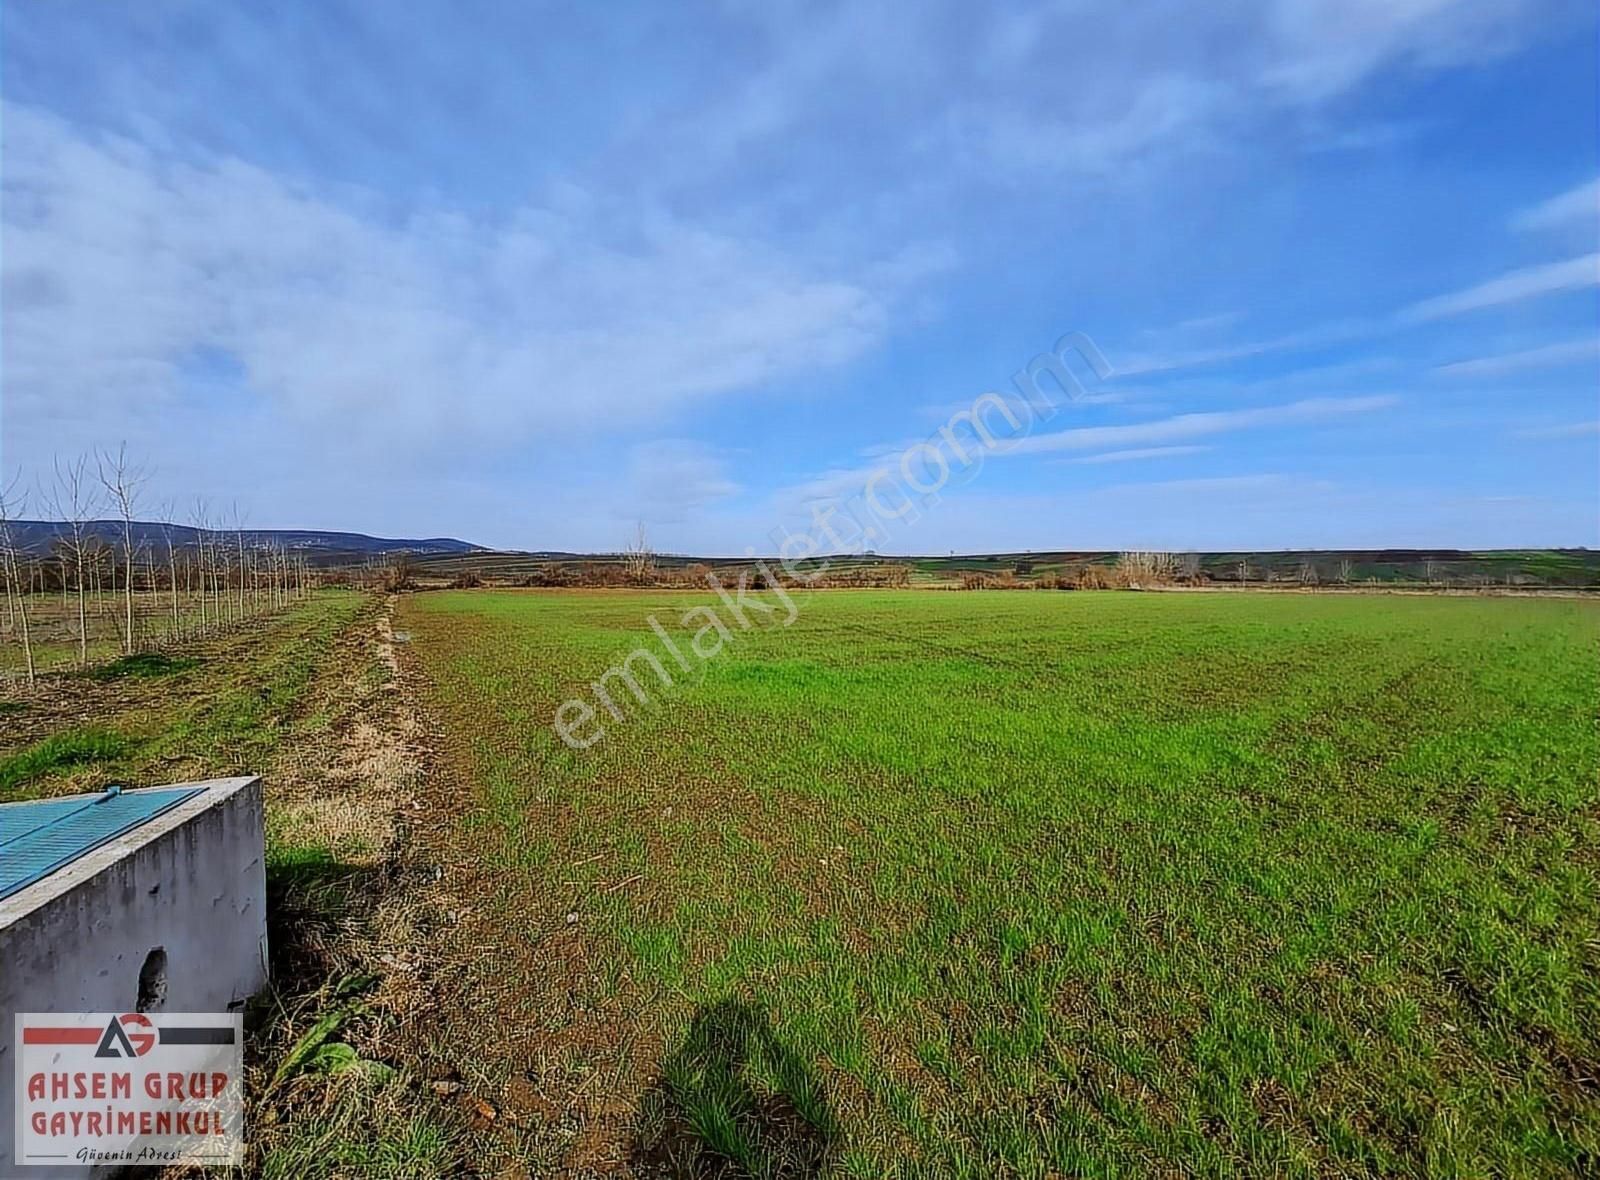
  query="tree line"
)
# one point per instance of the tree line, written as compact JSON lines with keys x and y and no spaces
{"x":197,"y":575}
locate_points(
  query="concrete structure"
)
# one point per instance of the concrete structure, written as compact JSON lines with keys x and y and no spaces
{"x":170,"y":915}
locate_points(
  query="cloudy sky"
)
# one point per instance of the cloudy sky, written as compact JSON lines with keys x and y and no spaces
{"x":524,"y":273}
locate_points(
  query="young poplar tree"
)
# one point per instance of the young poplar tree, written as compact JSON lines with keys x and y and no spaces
{"x":73,"y":503}
{"x":197,"y":518}
{"x":238,"y":536}
{"x":122,"y":483}
{"x":172,"y":567}
{"x":10,"y":566}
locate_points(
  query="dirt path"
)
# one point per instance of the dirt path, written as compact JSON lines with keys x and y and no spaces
{"x":355,"y":909}
{"x":389,"y":925}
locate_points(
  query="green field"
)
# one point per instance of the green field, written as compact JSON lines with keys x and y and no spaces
{"x":978,"y":884}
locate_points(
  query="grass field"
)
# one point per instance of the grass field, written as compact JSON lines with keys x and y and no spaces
{"x":981,"y":884}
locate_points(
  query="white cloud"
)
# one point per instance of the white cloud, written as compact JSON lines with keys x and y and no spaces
{"x":1564,"y":430}
{"x":1140,"y":453}
{"x":844,"y":482}
{"x":1317,"y":337}
{"x":1572,"y":274}
{"x":1576,"y":206}
{"x":1323,"y":47}
{"x":1527,"y":283}
{"x":1094,"y":141}
{"x":1249,"y":512}
{"x":1567,"y":352}
{"x":1206,"y":323}
{"x":1181,"y":82}
{"x":1087,"y":89}
{"x":1186,"y":426}
{"x":131,"y":274}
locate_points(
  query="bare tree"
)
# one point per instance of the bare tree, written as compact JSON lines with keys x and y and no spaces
{"x":200,"y":524}
{"x":398,"y":575}
{"x":1344,"y":571}
{"x":167,"y":526}
{"x":73,"y":502}
{"x":122,"y":483}
{"x":1136,"y":569}
{"x":94,"y":555}
{"x":9,"y":568}
{"x":639,"y":560}
{"x":63,"y":555}
{"x":238,"y":536}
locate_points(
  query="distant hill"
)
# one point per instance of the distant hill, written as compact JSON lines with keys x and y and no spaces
{"x":319,"y":546}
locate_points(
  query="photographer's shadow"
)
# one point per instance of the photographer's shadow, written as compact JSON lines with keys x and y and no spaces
{"x":735,"y":1101}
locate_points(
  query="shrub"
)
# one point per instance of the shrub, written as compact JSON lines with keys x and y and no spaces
{"x":888,"y":574}
{"x":1004,"y":580}
{"x":550,"y":574}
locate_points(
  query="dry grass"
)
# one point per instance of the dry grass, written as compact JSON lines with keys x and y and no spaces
{"x":335,"y":1085}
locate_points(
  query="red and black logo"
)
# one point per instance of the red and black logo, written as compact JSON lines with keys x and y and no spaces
{"x":130,"y":1035}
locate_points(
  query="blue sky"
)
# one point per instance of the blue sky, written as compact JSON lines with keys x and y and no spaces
{"x":525,"y":274}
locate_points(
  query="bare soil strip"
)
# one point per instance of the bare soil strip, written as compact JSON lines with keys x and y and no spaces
{"x":353,"y":932}
{"x":544,"y":1061}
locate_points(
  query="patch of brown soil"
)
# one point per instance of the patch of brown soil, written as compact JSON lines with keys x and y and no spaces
{"x":526,"y":1019}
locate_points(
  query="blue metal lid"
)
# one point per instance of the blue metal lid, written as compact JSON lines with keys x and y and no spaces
{"x":43,"y":835}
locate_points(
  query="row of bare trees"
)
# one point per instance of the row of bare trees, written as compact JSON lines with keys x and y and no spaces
{"x":195,"y":577}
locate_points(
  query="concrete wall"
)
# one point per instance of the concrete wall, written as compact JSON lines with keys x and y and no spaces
{"x":191,"y":881}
